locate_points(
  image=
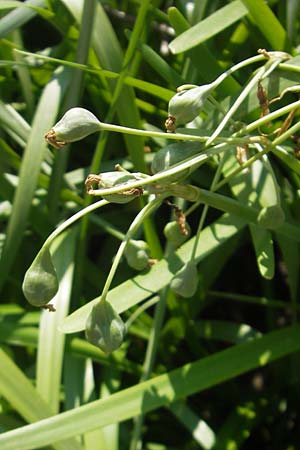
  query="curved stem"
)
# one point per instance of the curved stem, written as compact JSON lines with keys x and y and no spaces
{"x":73,"y":219}
{"x":137,"y":222}
{"x":176,"y":169}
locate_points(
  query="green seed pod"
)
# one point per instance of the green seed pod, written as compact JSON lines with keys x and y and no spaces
{"x":271,"y":217}
{"x":185,"y":281}
{"x":174,"y":233}
{"x":76,"y":124}
{"x":111,"y":179}
{"x":104,"y":328}
{"x":40,"y":282}
{"x":173,"y":154}
{"x":186,"y":105}
{"x":108,"y":180}
{"x":137,"y":254}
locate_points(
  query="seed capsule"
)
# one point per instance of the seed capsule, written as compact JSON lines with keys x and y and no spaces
{"x":108,"y":180}
{"x":186,"y":105}
{"x":185,"y":281}
{"x":40,"y":283}
{"x":173,"y":154}
{"x":76,"y":124}
{"x":137,"y":254}
{"x":173,"y":232}
{"x":104,"y":328}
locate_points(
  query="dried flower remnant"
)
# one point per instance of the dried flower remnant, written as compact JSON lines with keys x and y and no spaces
{"x":242,"y":154}
{"x":274,"y":54}
{"x":296,"y":139}
{"x":262,"y":96}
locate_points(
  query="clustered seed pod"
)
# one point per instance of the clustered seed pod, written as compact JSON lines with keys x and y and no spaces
{"x":137,"y":254}
{"x":186,"y":105}
{"x":108,"y":180}
{"x":173,"y":232}
{"x":185,"y":281}
{"x":271,"y":217}
{"x":173,"y":154}
{"x":40,"y":283}
{"x":104,"y":328}
{"x":76,"y":124}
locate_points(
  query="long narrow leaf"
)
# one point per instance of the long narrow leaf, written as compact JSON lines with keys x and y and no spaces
{"x":157,"y":392}
{"x":32,"y":160}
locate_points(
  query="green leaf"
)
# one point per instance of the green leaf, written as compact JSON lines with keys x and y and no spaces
{"x":32,"y":159}
{"x":51,"y":342}
{"x":268,"y":24}
{"x":198,"y":428}
{"x":201,"y":53}
{"x":20,"y":393}
{"x":159,"y":391}
{"x":263,"y":245}
{"x":132,"y":292}
{"x":209,"y":27}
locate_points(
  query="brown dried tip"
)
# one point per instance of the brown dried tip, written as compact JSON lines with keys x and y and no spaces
{"x":262,"y":96}
{"x":170,"y":124}
{"x":264,"y":52}
{"x":274,"y":54}
{"x":50,"y":137}
{"x":242,"y":154}
{"x":90,"y":181}
{"x":180,"y":218}
{"x":49,"y":307}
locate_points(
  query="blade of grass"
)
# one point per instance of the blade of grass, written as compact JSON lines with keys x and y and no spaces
{"x":159,"y":391}
{"x":132,"y":292}
{"x":73,"y":96}
{"x":44,"y":117}
{"x":19,"y":392}
{"x":198,"y":428}
{"x":264,"y":18}
{"x":264,"y":250}
{"x":19,"y":17}
{"x":51,"y":340}
{"x":209,"y":27}
{"x":202,"y":53}
{"x":225,"y":331}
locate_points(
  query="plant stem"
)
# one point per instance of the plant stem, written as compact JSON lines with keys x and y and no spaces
{"x":270,"y":65}
{"x":73,"y":219}
{"x":268,"y":118}
{"x":193,"y":162}
{"x":205,"y":209}
{"x":137,"y":222}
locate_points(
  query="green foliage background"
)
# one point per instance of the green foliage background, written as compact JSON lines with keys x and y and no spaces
{"x":219,"y":370}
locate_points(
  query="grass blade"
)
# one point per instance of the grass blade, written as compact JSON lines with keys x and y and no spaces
{"x":209,"y":27}
{"x":20,"y":393}
{"x":268,"y":24}
{"x":51,"y":341}
{"x":159,"y":391}
{"x":29,"y":172}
